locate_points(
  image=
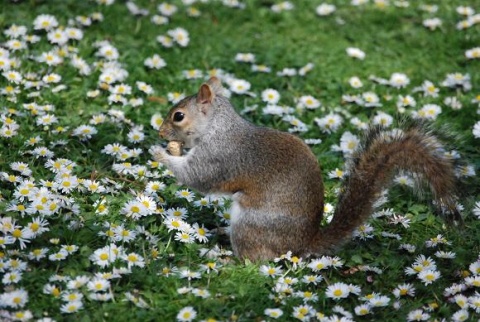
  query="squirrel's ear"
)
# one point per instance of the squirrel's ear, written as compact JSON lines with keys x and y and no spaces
{"x":205,"y":94}
{"x":216,"y":85}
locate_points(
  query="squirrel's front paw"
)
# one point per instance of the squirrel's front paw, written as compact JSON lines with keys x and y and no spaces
{"x":158,"y":152}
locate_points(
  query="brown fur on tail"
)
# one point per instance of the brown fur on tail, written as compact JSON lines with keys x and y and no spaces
{"x":414,"y":149}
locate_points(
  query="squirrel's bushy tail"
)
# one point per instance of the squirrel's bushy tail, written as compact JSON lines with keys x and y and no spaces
{"x":415,"y":149}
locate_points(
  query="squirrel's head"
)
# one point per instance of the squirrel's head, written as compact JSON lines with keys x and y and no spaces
{"x":188,"y":120}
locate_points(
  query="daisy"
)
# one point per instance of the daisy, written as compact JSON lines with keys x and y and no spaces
{"x":363,"y":309}
{"x":180,"y":36}
{"x":21,"y":167}
{"x":103,"y":297}
{"x":308,"y":102}
{"x":337,"y":291}
{"x":156,"y":121}
{"x":303,"y":312}
{"x":175,"y":97}
{"x":84,"y":132}
{"x":282,"y":6}
{"x":177,"y":224}
{"x":371,"y":99}
{"x":188,"y":274}
{"x":159,"y":20}
{"x":13,"y":76}
{"x":336,"y":174}
{"x":144,"y":87}
{"x":45,"y":22}
{"x":42,"y":152}
{"x":166,"y":41}
{"x":50,"y":58}
{"x":104,"y":256}
{"x":473,"y":53}
{"x":239,"y":86}
{"x":108,"y":52}
{"x":261,"y":68}
{"x":167,"y":9}
{"x":406,"y":101}
{"x":417,"y":315}
{"x":46,"y":120}
{"x":355,"y":53}
{"x":12,"y":277}
{"x":4,"y":63}
{"x":121,"y":89}
{"x":184,"y":237}
{"x":98,"y":284}
{"x":193,"y":12}
{"x":77,"y":282}
{"x":399,"y":80}
{"x":67,"y":183}
{"x":186,"y":314}
{"x":432,"y":23}
{"x":201,"y":233}
{"x":428,"y":111}
{"x":325,"y":9}
{"x":307,"y":296}
{"x":273,"y":313}
{"x":475,"y":267}
{"x":453,"y":102}
{"x":355,"y":82}
{"x":474,"y":302}
{"x":245,"y":57}
{"x":349,"y":143}
{"x":457,"y":80}
{"x":319,"y":264}
{"x":15,"y":31}
{"x":14,"y":299}
{"x":288,"y":72}
{"x":37,"y":254}
{"x":461,"y":315}
{"x":271,"y":271}
{"x":404,"y":180}
{"x":134,"y":209}
{"x":72,"y":296}
{"x":429,"y":89}
{"x":270,"y":96}
{"x":379,"y":301}
{"x":185,"y":194}
{"x":38,"y":226}
{"x":192,"y":74}
{"x":121,"y":234}
{"x":74,"y":33}
{"x":461,"y":300}
{"x":383,"y":119}
{"x":22,"y":316}
{"x":155,"y":62}
{"x":136,"y":135}
{"x":23,"y":236}
{"x":58,"y":37}
{"x":428,"y":276}
{"x":329,"y":123}
{"x":71,"y":307}
{"x":133,"y":259}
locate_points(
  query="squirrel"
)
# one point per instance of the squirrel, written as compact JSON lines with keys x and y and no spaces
{"x":275,"y":180}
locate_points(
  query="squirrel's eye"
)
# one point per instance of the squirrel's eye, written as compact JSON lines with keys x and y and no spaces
{"x":178,"y":116}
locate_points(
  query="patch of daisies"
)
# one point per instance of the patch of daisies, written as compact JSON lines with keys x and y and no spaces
{"x":136,"y":213}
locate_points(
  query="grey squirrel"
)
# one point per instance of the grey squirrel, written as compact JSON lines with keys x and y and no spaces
{"x":275,"y":180}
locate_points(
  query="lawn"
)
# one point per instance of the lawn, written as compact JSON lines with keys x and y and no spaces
{"x":93,"y":229}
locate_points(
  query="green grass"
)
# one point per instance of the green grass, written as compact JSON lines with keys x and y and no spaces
{"x":393,"y":39}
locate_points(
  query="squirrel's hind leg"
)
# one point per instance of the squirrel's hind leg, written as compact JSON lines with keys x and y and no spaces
{"x":259,"y":235}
